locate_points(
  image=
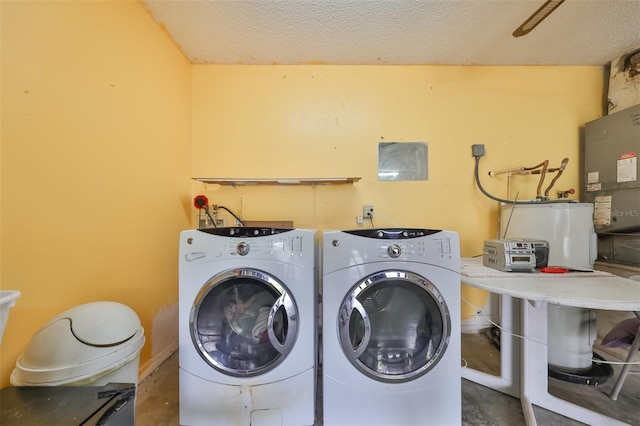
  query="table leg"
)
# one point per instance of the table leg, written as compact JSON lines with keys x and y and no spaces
{"x":509,"y":380}
{"x":534,"y":377}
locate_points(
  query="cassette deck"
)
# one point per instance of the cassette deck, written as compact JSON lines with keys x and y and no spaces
{"x":515,"y":255}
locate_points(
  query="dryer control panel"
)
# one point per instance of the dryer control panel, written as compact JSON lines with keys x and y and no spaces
{"x":415,"y":248}
{"x":392,"y":233}
{"x":347,"y":248}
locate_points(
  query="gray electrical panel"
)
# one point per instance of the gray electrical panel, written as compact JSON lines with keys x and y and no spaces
{"x":611,"y":182}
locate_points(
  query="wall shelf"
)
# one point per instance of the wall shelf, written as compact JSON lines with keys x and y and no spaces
{"x":279,"y":181}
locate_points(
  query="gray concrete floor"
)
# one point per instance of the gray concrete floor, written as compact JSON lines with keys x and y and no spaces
{"x":157,"y":397}
{"x":483,"y":406}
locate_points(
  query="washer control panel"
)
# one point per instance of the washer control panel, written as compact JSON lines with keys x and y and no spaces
{"x":277,"y":245}
{"x":242,"y":241}
{"x":244,"y":231}
{"x":292,"y":246}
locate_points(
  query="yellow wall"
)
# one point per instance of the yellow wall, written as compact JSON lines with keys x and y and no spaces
{"x":96,"y":110}
{"x":326,"y":121}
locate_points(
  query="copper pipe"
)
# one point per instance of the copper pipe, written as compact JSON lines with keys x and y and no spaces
{"x":560,"y":170}
{"x":545,"y":163}
{"x":516,"y":170}
{"x":543,"y":173}
{"x":542,"y":169}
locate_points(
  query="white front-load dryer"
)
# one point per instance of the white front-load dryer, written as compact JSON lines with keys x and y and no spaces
{"x":247,"y":326}
{"x":391,"y":327}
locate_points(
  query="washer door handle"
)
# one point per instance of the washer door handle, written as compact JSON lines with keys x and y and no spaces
{"x":283,"y":302}
{"x":346,"y":312}
{"x":195,"y":255}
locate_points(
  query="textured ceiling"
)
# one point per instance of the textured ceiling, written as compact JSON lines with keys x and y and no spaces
{"x":387,"y":32}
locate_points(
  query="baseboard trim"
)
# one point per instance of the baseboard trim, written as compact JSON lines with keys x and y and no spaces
{"x":153,"y":364}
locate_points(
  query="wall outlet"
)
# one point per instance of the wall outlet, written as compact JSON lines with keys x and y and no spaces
{"x":221,"y":221}
{"x":367,"y":211}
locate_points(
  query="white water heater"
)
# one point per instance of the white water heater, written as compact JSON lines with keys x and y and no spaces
{"x":568,"y":228}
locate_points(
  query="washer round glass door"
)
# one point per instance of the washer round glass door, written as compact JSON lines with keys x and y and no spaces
{"x":394,"y":326}
{"x":243,"y":322}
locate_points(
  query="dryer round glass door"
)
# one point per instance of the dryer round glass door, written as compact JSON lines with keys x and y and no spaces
{"x":394,"y":326}
{"x":244,"y":322}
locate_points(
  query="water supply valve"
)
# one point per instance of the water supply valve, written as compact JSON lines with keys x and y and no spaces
{"x":565,"y":194}
{"x":200,"y":202}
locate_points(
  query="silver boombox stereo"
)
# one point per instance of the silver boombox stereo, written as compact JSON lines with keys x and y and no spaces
{"x":515,"y":255}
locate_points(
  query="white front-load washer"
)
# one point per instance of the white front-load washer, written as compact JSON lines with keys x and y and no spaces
{"x":247,"y":326}
{"x":391,"y":327}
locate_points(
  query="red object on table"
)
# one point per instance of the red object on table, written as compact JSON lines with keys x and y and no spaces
{"x":553,"y":270}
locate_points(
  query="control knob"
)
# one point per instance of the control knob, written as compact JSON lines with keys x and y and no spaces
{"x":243,"y":249}
{"x":394,"y":250}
